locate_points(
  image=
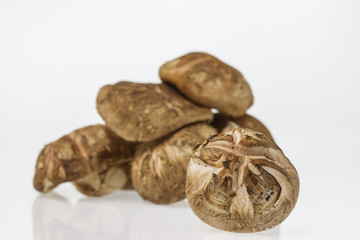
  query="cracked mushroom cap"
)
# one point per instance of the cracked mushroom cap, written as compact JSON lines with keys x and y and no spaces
{"x":145,"y":112}
{"x":79,"y":154}
{"x":208,"y":81}
{"x":224,"y":123}
{"x":241,"y":182}
{"x":158,"y":169}
{"x":98,"y":184}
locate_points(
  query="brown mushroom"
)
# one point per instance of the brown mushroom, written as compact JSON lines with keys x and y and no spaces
{"x":241,"y":181}
{"x":158,"y":169}
{"x":98,"y":184}
{"x":224,"y":123}
{"x":145,"y":112}
{"x":83,"y":152}
{"x":207,"y":81}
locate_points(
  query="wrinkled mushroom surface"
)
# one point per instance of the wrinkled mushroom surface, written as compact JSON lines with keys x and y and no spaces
{"x":208,"y":81}
{"x":159,"y":168}
{"x":224,"y":123}
{"x":98,"y":184}
{"x":145,"y":112}
{"x":241,"y":182}
{"x":79,"y":154}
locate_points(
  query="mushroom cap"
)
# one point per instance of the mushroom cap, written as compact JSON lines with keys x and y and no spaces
{"x":85,"y":151}
{"x":145,"y":112}
{"x":98,"y":184}
{"x":241,"y":181}
{"x":158,"y":169}
{"x":208,"y":81}
{"x":224,"y":123}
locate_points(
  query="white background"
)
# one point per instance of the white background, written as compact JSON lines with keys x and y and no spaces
{"x":301,"y":58}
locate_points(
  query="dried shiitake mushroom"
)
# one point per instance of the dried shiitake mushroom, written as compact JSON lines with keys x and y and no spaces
{"x":224,"y":123}
{"x":98,"y":184}
{"x":158,"y":169}
{"x":79,"y":154}
{"x":241,"y":182}
{"x":145,"y":112}
{"x":206,"y":80}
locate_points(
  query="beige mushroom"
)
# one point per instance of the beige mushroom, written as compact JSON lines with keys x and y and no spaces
{"x":86,"y":151}
{"x":158,"y":169}
{"x":145,"y":112}
{"x":224,"y":123}
{"x":208,"y":81}
{"x":98,"y":184}
{"x":241,"y":181}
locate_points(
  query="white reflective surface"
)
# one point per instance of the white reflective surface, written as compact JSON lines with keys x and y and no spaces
{"x":300,"y":57}
{"x":123,"y":215}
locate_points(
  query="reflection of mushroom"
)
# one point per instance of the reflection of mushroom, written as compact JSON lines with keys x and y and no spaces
{"x":145,"y":112}
{"x":241,"y":182}
{"x":79,"y":154}
{"x":50,"y":214}
{"x":54,"y":217}
{"x":206,"y":80}
{"x":158,"y":169}
{"x":99,"y":184}
{"x":271,"y":234}
{"x":224,"y":123}
{"x":175,"y":222}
